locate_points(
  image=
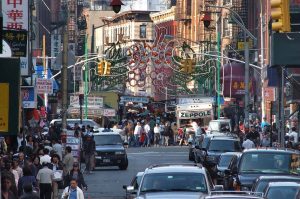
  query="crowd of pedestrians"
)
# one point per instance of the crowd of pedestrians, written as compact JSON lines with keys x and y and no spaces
{"x":40,"y":166}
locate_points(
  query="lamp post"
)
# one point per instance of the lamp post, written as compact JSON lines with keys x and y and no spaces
{"x":241,"y":24}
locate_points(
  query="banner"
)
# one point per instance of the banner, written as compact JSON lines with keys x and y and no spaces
{"x":109,"y":112}
{"x":93,"y":101}
{"x":28,"y":97}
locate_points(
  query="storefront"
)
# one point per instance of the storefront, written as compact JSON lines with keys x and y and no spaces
{"x":202,"y":113}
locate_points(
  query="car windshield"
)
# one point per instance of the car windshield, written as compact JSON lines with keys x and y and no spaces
{"x":108,"y":140}
{"x":224,"y":145}
{"x":282,"y":192}
{"x":225,"y":160}
{"x":157,"y":182}
{"x":270,"y":162}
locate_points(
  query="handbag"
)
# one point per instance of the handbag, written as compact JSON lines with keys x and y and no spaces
{"x":58,"y":175}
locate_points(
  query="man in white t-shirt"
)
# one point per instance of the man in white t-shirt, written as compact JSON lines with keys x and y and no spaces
{"x":156,"y":135}
{"x":147,"y":131}
{"x":137,"y":133}
{"x":293,"y":136}
{"x":46,"y":158}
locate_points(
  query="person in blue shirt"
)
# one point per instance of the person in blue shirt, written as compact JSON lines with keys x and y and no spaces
{"x":264,"y":123}
{"x":72,"y":191}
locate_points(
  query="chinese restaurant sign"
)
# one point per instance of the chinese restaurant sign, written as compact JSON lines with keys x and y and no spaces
{"x":15,"y":18}
{"x":17,"y":40}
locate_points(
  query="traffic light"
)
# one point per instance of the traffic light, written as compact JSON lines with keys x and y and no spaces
{"x":81,"y":99}
{"x":188,"y":66}
{"x":107,"y":68}
{"x":101,"y":67}
{"x":280,"y":13}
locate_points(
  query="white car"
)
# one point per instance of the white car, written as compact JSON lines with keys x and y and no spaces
{"x":71,"y":123}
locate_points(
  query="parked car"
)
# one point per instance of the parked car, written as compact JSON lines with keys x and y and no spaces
{"x":110,"y":150}
{"x":265,"y":161}
{"x":279,"y":190}
{"x":226,"y":166}
{"x":176,"y":181}
{"x":262,"y":182}
{"x":131,"y":190}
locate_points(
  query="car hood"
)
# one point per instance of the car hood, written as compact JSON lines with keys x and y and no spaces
{"x":173,"y":195}
{"x":248,"y":179}
{"x":109,"y":148}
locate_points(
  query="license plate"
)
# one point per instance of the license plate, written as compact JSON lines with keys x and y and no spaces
{"x":106,"y":160}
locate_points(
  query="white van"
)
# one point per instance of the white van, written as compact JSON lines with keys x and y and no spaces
{"x":71,"y":123}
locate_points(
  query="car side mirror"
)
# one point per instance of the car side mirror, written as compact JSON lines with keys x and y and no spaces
{"x":218,"y":188}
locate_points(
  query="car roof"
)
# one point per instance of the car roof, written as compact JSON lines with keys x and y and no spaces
{"x":175,"y":168}
{"x":284,"y":184}
{"x":278,"y":177}
{"x":221,"y":196}
{"x":105,"y":133}
{"x":225,"y":138}
{"x":279,"y":150}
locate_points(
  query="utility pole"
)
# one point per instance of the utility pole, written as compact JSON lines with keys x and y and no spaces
{"x":246,"y":45}
{"x":64,"y":77}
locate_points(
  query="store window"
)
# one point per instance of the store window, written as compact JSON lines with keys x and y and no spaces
{"x":143,"y":29}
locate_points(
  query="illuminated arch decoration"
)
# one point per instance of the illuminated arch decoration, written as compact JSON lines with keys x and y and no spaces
{"x":160,"y":63}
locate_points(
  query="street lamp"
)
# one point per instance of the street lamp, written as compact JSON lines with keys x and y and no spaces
{"x":241,"y":24}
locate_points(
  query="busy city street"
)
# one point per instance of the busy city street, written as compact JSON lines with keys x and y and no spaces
{"x":107,"y":182}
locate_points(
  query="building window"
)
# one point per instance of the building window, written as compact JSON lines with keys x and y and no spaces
{"x":143,"y":29}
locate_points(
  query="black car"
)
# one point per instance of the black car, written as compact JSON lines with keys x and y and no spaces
{"x":110,"y":150}
{"x":262,"y":182}
{"x":265,"y":161}
{"x":225,"y":168}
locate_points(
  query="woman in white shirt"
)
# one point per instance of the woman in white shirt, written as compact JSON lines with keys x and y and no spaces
{"x":156,"y":135}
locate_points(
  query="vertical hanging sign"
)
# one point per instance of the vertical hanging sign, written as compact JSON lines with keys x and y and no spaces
{"x":15,"y":18}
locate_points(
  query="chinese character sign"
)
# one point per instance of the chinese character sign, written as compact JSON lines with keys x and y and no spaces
{"x":15,"y":14}
{"x":17,"y":40}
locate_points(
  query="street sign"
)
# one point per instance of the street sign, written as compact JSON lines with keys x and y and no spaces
{"x":55,"y":49}
{"x":109,"y":112}
{"x":44,"y":86}
{"x":28,"y":97}
{"x":93,"y":101}
{"x":269,"y":94}
{"x":191,"y":107}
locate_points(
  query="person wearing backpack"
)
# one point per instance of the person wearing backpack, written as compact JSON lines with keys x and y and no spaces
{"x":72,"y":191}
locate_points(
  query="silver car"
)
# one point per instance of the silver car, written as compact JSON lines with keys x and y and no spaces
{"x":176,"y":181}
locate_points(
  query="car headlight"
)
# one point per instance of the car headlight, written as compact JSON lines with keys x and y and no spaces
{"x":120,"y":152}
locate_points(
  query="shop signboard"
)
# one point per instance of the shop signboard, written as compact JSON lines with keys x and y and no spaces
{"x":93,"y":101}
{"x":28,"y":97}
{"x":92,"y":111}
{"x":15,"y":20}
{"x":109,"y":112}
{"x":135,"y":99}
{"x":193,"y":107}
{"x":194,"y":114}
{"x":4,"y":107}
{"x":44,"y":86}
{"x":193,"y":100}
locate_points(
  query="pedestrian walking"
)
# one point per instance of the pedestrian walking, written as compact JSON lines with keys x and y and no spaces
{"x":57,"y":168}
{"x":68,"y":160}
{"x":72,"y":191}
{"x":27,"y":178}
{"x":248,"y":143}
{"x":28,"y":192}
{"x":75,"y":173}
{"x":89,"y":150}
{"x":7,"y":187}
{"x":44,"y":178}
{"x":137,"y":133}
{"x":167,"y":133}
{"x":156,"y":135}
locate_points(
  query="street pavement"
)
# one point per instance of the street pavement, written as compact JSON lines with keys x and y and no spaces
{"x":107,"y":182}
